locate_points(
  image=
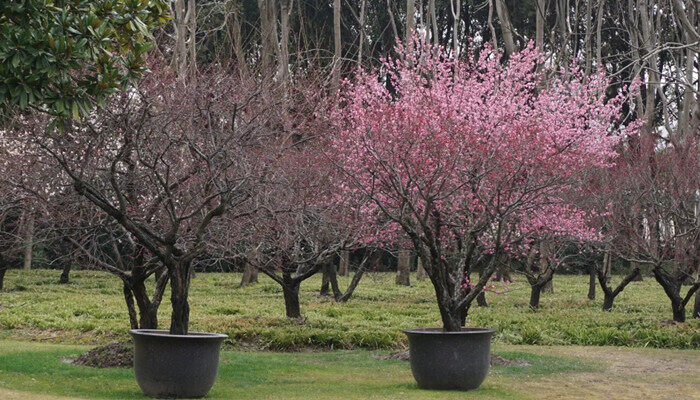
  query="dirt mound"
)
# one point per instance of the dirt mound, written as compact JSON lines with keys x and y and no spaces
{"x":495,"y":359}
{"x":115,"y":354}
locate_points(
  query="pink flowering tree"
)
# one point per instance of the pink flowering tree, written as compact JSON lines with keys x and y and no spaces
{"x":470,"y":158}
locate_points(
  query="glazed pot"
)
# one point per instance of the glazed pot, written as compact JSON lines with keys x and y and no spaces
{"x":176,"y":366}
{"x":449,"y":360}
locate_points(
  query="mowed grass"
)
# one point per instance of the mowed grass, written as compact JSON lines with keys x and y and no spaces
{"x":32,"y":370}
{"x":91,"y":310}
{"x":38,"y":368}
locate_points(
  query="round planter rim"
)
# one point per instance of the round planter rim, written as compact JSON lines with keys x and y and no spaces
{"x":441,"y":331}
{"x":163,"y":333}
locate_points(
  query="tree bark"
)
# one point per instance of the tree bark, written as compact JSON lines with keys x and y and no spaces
{"x":179,"y":291}
{"x":148,"y":316}
{"x":608,"y":300}
{"x":403,"y":268}
{"x":129,"y":300}
{"x":539,"y":23}
{"x":609,"y":294}
{"x":290,"y":289}
{"x":637,"y":277}
{"x":696,"y":307}
{"x":335,"y":71}
{"x":344,"y":265}
{"x":506,"y":26}
{"x":326,"y":280}
{"x":420,"y":271}
{"x":250,"y":276}
{"x":65,"y":273}
{"x":410,"y":21}
{"x":591,"y":283}
{"x":28,"y":240}
{"x":548,"y":287}
{"x":3,"y":269}
{"x":481,"y":300}
{"x":535,"y":291}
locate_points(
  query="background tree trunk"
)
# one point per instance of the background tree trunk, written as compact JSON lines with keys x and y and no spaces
{"x":28,"y":240}
{"x":344,"y":265}
{"x":326,"y":280}
{"x":335,"y":71}
{"x":65,"y":273}
{"x":481,"y":300}
{"x":3,"y":269}
{"x":250,"y":275}
{"x":420,"y":271}
{"x":591,"y":283}
{"x":403,"y":268}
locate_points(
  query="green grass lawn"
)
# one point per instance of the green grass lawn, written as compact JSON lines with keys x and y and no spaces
{"x":31,"y":370}
{"x":91,"y":310}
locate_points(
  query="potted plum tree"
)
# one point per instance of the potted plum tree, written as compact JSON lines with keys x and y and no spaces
{"x":469,"y":158}
{"x":165,"y":161}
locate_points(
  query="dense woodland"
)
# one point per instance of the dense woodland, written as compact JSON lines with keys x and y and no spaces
{"x":215,"y":157}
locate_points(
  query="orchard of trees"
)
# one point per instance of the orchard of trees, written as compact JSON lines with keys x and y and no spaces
{"x":298,"y":137}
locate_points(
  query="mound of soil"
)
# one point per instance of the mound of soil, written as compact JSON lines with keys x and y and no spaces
{"x":495,"y":359}
{"x":115,"y":354}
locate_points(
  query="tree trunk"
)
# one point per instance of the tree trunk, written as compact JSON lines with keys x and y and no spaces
{"x":353,"y":285}
{"x":179,"y":291}
{"x":452,"y":320}
{"x":696,"y":307}
{"x":3,"y":269}
{"x":148,"y":316}
{"x":506,"y":26}
{"x":608,"y":299}
{"x":678,"y":310}
{"x":290,"y":289}
{"x":326,"y":280}
{"x":250,"y":276}
{"x":591,"y":283}
{"x":420,"y":271}
{"x":129,"y":300}
{"x":344,"y":265}
{"x":535,"y":291}
{"x":28,"y":241}
{"x":637,"y":277}
{"x":403,"y":268}
{"x":410,"y":21}
{"x":481,"y":300}
{"x":335,"y":70}
{"x":65,"y":273}
{"x":548,"y":287}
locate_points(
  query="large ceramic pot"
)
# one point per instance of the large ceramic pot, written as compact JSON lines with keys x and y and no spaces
{"x":176,"y":366}
{"x":449,"y":360}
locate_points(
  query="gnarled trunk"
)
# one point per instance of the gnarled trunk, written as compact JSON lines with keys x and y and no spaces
{"x":290,"y":289}
{"x":179,"y":291}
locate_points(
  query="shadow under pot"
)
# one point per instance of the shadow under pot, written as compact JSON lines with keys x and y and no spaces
{"x":449,"y":360}
{"x":176,"y":366}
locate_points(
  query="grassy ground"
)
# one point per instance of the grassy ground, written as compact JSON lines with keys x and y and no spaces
{"x":91,"y":310}
{"x":35,"y":371}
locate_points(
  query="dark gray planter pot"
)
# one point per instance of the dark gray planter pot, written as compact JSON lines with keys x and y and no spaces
{"x":449,"y":360}
{"x":176,"y":366}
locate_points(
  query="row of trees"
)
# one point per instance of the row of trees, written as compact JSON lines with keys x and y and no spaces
{"x":243,"y":143}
